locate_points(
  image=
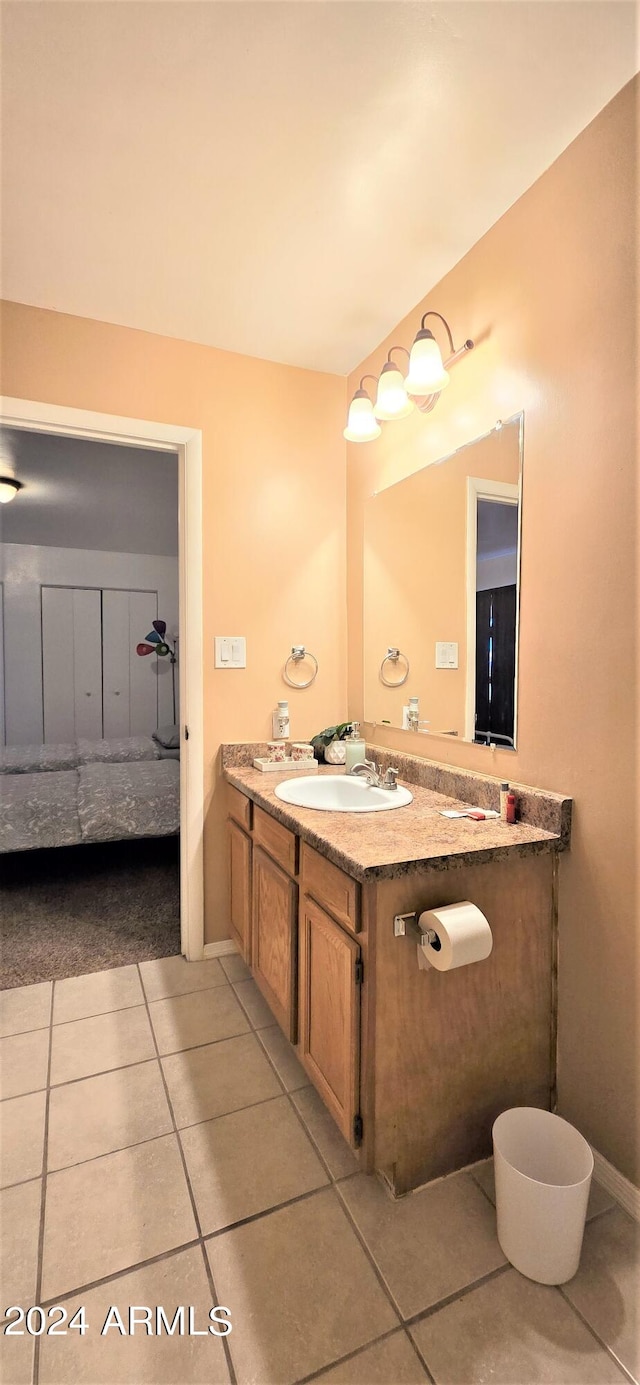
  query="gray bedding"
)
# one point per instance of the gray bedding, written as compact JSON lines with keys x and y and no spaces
{"x":95,"y":803}
{"x":123,"y":750}
{"x":128,"y":800}
{"x":38,"y":810}
{"x":36,"y":759}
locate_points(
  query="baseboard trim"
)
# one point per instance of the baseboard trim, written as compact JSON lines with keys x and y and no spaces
{"x":219,"y":949}
{"x":621,"y":1188}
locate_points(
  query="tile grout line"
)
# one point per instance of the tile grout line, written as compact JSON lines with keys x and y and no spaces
{"x":254,"y":1027}
{"x":349,"y":1356}
{"x":117,"y":1009}
{"x":43,"y":1198}
{"x":431,"y":1378}
{"x":600,"y":1340}
{"x":333,"y":1187}
{"x":91,"y":1284}
{"x":138,"y":1062}
{"x":456,"y":1294}
{"x":207,"y":1267}
{"x":333,"y":1182}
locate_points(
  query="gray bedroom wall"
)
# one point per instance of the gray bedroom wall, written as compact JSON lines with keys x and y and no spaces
{"x":90,"y":495}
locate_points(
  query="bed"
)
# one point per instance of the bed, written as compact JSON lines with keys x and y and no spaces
{"x":90,"y":791}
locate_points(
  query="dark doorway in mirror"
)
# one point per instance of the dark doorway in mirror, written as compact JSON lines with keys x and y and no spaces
{"x":495,"y":665}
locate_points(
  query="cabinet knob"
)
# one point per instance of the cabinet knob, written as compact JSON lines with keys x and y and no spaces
{"x":116,"y":692}
{"x":87,"y":694}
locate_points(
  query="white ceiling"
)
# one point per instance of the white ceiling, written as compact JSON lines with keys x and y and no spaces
{"x":281,"y":179}
{"x":84,"y":494}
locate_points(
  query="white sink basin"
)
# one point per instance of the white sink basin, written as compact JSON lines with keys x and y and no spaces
{"x":341,"y":793}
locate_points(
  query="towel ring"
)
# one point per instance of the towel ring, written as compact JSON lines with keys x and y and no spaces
{"x":392,"y":656}
{"x":298,"y":652}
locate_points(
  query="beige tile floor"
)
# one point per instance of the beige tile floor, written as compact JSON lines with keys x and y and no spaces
{"x":161,"y":1146}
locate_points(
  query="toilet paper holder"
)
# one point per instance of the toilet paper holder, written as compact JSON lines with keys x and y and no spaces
{"x":427,"y":939}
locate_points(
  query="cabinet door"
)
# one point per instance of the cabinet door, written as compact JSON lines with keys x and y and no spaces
{"x":274,"y":939}
{"x":71,"y":663}
{"x":330,"y":1013}
{"x":240,"y":888}
{"x":130,"y":683}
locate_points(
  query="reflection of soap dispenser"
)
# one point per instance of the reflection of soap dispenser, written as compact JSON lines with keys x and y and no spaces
{"x":356,"y":747}
{"x":281,"y":722}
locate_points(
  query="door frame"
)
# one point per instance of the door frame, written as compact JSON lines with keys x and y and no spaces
{"x":479,"y":488}
{"x":187,"y":444}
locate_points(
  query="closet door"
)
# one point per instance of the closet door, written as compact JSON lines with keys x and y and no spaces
{"x":129,"y":683}
{"x":71,"y":663}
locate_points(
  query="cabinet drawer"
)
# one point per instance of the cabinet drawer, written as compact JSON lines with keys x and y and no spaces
{"x":239,"y":807}
{"x":280,"y":843}
{"x":331,"y":888}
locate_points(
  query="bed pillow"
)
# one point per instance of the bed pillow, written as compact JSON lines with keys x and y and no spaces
{"x":36,"y":759}
{"x":168,"y":737}
{"x":117,"y":750}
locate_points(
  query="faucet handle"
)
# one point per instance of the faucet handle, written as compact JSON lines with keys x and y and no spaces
{"x":390,"y":780}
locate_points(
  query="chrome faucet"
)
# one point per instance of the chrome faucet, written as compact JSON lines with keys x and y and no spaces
{"x":369,"y":769}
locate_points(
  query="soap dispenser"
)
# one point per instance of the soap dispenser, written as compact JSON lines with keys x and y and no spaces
{"x":356,"y":747}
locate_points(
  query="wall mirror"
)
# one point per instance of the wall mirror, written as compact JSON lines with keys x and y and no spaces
{"x":441,"y":594}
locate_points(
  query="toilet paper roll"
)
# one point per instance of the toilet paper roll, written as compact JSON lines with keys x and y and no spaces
{"x":462,"y":936}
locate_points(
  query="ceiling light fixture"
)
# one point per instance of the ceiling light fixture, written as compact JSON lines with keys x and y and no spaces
{"x":9,"y":488}
{"x":397,"y":396}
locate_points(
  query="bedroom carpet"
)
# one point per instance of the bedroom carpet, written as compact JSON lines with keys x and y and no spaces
{"x":78,"y":909}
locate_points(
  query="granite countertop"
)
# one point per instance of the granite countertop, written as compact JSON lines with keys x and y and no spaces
{"x":374,"y":846}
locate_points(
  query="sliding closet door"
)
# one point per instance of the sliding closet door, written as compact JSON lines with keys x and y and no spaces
{"x":71,"y":663}
{"x":129,"y":683}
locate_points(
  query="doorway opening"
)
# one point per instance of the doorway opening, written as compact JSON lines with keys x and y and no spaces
{"x":113,"y":644}
{"x":492,"y":612}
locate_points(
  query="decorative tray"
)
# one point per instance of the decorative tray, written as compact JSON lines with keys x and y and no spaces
{"x":282,"y":766}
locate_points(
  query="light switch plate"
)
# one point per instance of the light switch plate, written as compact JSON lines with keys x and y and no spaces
{"x":230,"y":651}
{"x":446,"y":654}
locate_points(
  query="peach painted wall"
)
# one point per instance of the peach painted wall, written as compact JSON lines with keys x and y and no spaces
{"x":549,"y":297}
{"x":273,"y":513}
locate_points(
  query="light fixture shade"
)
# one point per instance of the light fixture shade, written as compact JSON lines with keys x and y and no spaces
{"x":361,"y":424}
{"x":392,"y":400}
{"x":9,"y":488}
{"x":427,"y":374}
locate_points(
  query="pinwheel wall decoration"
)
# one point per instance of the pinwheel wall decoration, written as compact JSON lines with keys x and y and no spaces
{"x":158,"y":642}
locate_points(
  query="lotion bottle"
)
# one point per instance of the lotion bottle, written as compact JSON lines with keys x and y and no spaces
{"x":504,"y":793}
{"x":356,"y":747}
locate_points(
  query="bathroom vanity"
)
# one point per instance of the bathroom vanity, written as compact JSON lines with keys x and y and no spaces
{"x":414,"y":1065}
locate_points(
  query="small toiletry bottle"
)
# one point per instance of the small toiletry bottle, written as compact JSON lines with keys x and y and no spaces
{"x":511,"y":807}
{"x":356,"y":747}
{"x":413,"y":714}
{"x":281,"y":722}
{"x":504,"y":792}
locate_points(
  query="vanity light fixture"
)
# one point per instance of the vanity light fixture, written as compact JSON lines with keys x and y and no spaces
{"x":9,"y":488}
{"x":396,"y":397}
{"x":392,"y":400}
{"x":362,"y":425}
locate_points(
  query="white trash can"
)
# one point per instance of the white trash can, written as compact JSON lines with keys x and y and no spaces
{"x":543,"y":1171}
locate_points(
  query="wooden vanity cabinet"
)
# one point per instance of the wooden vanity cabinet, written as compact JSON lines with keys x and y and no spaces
{"x":329,"y":1035}
{"x":274,"y":945}
{"x":240,"y":853}
{"x":414,"y":1065}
